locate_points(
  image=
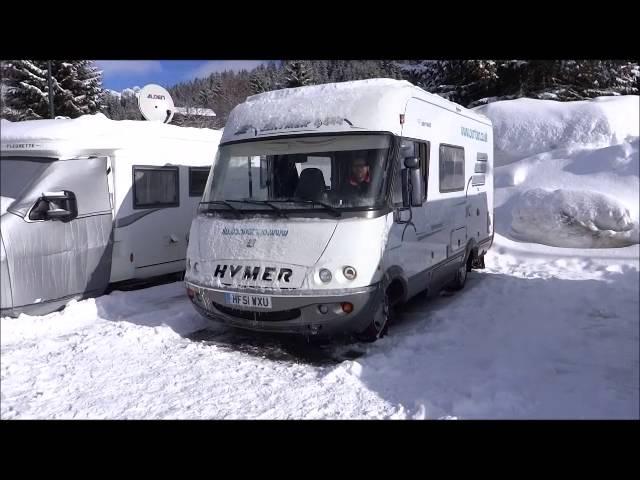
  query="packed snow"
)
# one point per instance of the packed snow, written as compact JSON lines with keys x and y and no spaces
{"x":494,"y":350}
{"x":573,"y":218}
{"x":543,"y":332}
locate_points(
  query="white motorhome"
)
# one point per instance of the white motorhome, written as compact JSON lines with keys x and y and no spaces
{"x":91,"y":201}
{"x":296,"y":235}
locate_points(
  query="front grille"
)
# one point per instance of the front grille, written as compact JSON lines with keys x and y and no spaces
{"x":278,"y":316}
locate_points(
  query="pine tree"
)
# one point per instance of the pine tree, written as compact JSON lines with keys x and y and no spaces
{"x":80,"y":88}
{"x":77,"y":88}
{"x":259,"y":80}
{"x":210,"y":89}
{"x":297,"y":74}
{"x":27,"y":90}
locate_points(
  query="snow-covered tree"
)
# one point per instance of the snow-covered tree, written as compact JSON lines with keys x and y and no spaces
{"x":26,"y":88}
{"x":77,"y":87}
{"x":475,"y":82}
{"x":260,"y":80}
{"x":297,"y":74}
{"x":122,"y":105}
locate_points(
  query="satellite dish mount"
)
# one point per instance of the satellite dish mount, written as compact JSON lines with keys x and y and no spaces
{"x":155,"y":104}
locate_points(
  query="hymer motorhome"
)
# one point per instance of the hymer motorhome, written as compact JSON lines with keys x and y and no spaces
{"x":328,"y":205}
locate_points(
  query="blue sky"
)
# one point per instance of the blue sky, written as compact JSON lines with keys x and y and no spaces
{"x":120,"y":74}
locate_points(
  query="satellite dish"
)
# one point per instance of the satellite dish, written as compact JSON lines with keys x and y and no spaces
{"x":155,"y":104}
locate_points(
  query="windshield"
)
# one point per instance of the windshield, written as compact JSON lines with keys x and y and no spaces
{"x":16,"y":175}
{"x":326,"y":172}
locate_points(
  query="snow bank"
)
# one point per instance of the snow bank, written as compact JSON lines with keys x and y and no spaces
{"x":567,"y":173}
{"x":573,"y":218}
{"x":525,"y":127}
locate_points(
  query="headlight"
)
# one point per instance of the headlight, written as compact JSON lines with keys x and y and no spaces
{"x":188,"y":264}
{"x":349,"y":273}
{"x":325,"y":275}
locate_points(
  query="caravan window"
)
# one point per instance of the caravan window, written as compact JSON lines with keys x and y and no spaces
{"x":451,"y":168}
{"x":155,"y":187}
{"x":197,"y":180}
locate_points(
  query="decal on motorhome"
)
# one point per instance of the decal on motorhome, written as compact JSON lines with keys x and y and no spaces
{"x":474,"y":134}
{"x":19,"y":146}
{"x":253,"y":273}
{"x":258,"y":232}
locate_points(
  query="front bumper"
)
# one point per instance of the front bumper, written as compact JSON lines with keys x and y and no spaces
{"x":294,"y":312}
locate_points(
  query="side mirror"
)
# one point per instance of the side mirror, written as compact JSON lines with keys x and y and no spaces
{"x":60,"y":206}
{"x":401,"y":216}
{"x":412,"y":191}
{"x":411,"y":162}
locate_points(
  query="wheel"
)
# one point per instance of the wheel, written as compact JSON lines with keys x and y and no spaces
{"x":380,"y":322}
{"x":461,"y":273}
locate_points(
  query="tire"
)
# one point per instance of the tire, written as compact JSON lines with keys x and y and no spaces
{"x":461,"y":273}
{"x":380,"y":322}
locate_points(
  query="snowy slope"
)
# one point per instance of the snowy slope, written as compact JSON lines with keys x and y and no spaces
{"x":543,"y":332}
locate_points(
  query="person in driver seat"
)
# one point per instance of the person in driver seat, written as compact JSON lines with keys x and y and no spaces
{"x":359,"y":182}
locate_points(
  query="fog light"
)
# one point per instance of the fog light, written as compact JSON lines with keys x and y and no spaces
{"x":347,"y":307}
{"x":323,"y":309}
{"x":349,"y":273}
{"x":325,"y":275}
{"x":190,"y":293}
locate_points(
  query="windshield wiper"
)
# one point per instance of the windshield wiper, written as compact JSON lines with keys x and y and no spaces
{"x":225,"y":203}
{"x":262,"y":202}
{"x":334,"y":211}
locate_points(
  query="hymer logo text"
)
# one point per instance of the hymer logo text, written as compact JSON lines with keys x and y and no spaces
{"x":254,"y":273}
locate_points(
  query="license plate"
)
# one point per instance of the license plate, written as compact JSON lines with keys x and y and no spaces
{"x":243,"y":300}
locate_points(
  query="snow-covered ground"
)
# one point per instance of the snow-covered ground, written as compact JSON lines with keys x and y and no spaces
{"x":542,"y":332}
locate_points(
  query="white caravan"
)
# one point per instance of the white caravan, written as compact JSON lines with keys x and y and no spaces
{"x":91,"y":201}
{"x":328,"y":205}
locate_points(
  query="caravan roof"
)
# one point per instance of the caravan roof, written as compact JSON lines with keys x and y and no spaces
{"x":95,"y":132}
{"x":373,"y":105}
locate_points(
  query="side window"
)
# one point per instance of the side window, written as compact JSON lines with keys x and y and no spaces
{"x":451,"y":168}
{"x":155,"y":187}
{"x":197,"y":180}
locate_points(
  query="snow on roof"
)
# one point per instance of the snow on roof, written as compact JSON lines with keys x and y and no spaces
{"x":373,"y":104}
{"x":201,"y":112}
{"x":97,"y":131}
